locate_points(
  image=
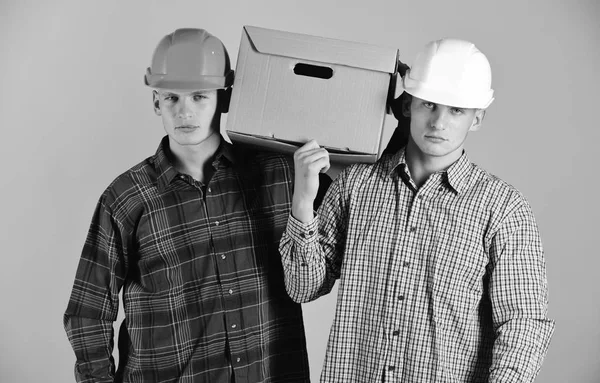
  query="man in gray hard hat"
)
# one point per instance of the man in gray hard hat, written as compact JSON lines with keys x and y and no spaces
{"x":441,"y":268}
{"x":190,"y":236}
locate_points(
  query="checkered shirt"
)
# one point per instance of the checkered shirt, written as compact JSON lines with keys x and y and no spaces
{"x":203,"y":287}
{"x":445,"y":283}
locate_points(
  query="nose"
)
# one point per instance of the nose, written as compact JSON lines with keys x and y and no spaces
{"x":184,"y":111}
{"x":439,"y":119}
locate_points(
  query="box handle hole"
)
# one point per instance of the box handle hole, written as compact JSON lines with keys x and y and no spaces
{"x":313,"y":71}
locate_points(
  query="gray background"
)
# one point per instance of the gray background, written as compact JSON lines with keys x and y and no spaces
{"x":75,"y":114}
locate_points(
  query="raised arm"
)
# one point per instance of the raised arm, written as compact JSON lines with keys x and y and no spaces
{"x":94,"y":301}
{"x":312,"y":245}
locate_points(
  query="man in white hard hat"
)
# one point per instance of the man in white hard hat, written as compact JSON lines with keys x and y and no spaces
{"x":441,"y":269}
{"x":190,"y":237}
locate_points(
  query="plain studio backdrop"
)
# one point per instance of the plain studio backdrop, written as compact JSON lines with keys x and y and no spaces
{"x":75,"y":114}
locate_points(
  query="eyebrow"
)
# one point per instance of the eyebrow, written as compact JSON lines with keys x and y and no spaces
{"x":194,"y":93}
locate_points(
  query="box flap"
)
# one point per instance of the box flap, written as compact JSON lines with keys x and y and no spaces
{"x":320,"y":49}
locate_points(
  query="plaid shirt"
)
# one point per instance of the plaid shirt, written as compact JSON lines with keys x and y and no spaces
{"x":203,"y":288}
{"x":445,"y":283}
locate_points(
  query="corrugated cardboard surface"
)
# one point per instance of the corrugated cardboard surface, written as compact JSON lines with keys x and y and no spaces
{"x":323,"y":50}
{"x":345,"y":112}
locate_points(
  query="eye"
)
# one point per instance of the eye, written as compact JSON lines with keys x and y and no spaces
{"x":428,"y":105}
{"x":200,"y":97}
{"x":171,"y":98}
{"x":457,"y":111}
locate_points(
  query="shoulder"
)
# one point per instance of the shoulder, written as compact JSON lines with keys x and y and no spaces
{"x":358,"y":174}
{"x":482,"y":179}
{"x":263,"y":169}
{"x":501,"y":199}
{"x":274,"y":161}
{"x":130,"y":187}
{"x":247,"y":156}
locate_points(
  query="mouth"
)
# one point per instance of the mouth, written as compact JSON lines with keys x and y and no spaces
{"x":435,"y":138}
{"x":187,"y":127}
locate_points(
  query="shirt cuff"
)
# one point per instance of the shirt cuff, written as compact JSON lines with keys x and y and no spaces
{"x":303,"y":233}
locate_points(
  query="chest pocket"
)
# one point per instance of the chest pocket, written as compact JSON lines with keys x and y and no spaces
{"x":459,"y":261}
{"x":374,"y":224}
{"x":171,"y":256}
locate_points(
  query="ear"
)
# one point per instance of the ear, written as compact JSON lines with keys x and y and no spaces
{"x":156,"y":103}
{"x":406,"y":102}
{"x":224,"y":98}
{"x":477,"y":120}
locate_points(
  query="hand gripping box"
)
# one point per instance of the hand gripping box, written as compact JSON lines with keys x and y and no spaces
{"x":290,"y":88}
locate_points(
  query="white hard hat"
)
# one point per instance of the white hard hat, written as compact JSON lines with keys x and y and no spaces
{"x":451,"y":72}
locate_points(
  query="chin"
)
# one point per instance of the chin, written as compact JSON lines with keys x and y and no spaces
{"x":193,"y":142}
{"x":434,"y":150}
{"x":194,"y":138}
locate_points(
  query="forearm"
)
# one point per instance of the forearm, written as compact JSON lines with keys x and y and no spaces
{"x":92,"y":342}
{"x":311,"y":248}
{"x":94,"y":301}
{"x":519,"y":349}
{"x":519,"y":294}
{"x":302,"y":209}
{"x":307,"y":275}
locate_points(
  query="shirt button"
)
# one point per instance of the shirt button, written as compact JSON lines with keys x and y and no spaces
{"x":420,"y":196}
{"x":233,"y":325}
{"x":400,"y":298}
{"x":440,"y":188}
{"x":209,"y":190}
{"x":217,"y":223}
{"x":223,"y":256}
{"x":302,"y":235}
{"x":396,"y":333}
{"x":311,"y":232}
{"x":238,"y":360}
{"x":391,"y":368}
{"x":406,"y":264}
{"x":413,"y":229}
{"x":230,"y":291}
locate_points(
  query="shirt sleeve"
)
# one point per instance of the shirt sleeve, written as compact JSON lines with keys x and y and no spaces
{"x":519,"y":295}
{"x":94,"y":300}
{"x":312,"y":252}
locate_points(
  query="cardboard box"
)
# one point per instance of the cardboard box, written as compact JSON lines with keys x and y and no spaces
{"x":290,"y":88}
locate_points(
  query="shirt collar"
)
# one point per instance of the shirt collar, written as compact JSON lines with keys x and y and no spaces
{"x":458,"y":173}
{"x":456,"y":176}
{"x":164,"y":159}
{"x":163,"y":163}
{"x":225,"y":155}
{"x":397,"y":162}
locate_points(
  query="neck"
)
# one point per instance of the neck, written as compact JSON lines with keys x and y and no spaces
{"x":422,"y":166}
{"x":196,"y":160}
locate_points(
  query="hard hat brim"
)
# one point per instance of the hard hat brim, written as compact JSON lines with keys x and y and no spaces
{"x":450,"y":97}
{"x":160,"y":81}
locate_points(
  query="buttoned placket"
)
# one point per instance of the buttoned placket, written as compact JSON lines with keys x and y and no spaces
{"x":225,"y":266}
{"x":212,"y":224}
{"x":398,"y":293}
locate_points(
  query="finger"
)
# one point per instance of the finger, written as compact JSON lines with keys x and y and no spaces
{"x":310,"y":145}
{"x":320,"y":165}
{"x":313,"y":155}
{"x":302,"y":159}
